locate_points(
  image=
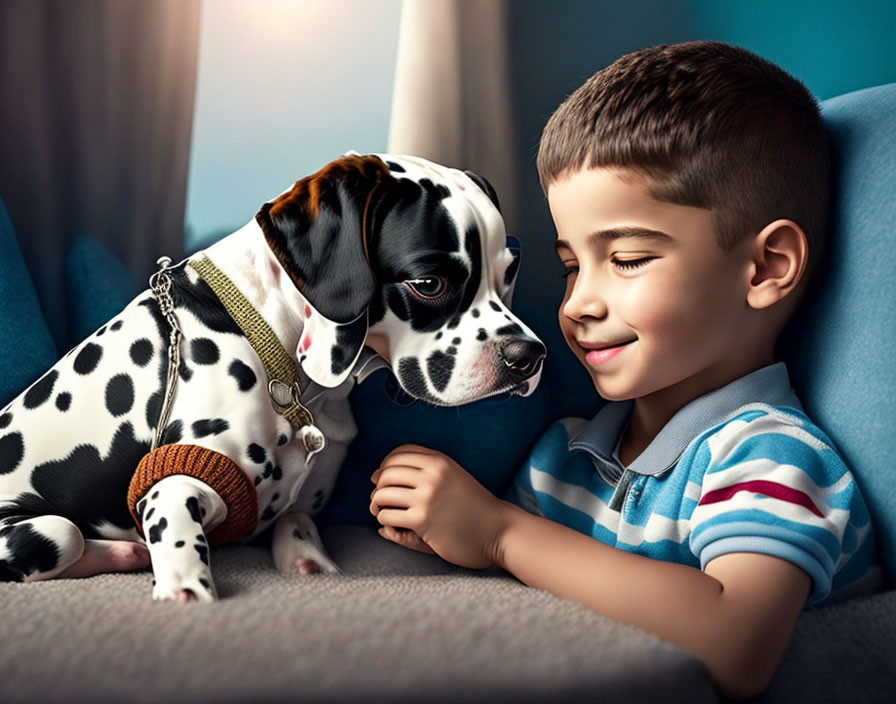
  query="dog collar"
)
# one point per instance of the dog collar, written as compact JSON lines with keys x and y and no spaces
{"x":287,"y":381}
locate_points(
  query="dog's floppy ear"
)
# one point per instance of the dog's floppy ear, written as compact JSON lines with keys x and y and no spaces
{"x":318,"y":232}
{"x":483,"y":183}
{"x":513,"y":268}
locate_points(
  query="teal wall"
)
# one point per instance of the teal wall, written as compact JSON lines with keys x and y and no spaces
{"x":833,"y":46}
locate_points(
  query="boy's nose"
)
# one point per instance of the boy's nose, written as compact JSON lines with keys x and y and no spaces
{"x":584,"y":302}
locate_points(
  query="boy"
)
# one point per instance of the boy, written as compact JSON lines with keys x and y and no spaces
{"x":688,"y":185}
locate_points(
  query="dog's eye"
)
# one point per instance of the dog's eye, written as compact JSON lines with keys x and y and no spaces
{"x":428,"y":287}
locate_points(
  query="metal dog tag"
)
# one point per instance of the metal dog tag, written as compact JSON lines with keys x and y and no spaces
{"x":313,"y":440}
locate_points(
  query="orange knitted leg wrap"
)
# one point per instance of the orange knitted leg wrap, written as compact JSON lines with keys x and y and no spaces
{"x":218,"y":471}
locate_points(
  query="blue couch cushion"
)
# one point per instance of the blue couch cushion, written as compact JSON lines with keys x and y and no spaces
{"x":840,"y":347}
{"x":97,"y":286}
{"x":26,"y":345}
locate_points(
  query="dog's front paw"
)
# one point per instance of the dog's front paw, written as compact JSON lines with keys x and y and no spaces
{"x":297,"y":548}
{"x":182,"y":589}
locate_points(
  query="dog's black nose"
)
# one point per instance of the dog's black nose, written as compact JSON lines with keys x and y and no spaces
{"x":522,"y":357}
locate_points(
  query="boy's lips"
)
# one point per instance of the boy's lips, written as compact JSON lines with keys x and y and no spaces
{"x":597,"y":353}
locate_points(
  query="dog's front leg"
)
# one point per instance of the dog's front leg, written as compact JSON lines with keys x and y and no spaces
{"x":297,"y":547}
{"x":175,"y":514}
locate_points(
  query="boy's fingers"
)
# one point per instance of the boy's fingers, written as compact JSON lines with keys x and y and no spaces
{"x":391,"y":497}
{"x":405,"y":538}
{"x":400,"y":475}
{"x":408,"y":456}
{"x":395,"y":517}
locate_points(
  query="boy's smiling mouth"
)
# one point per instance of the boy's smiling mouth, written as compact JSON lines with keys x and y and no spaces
{"x":597,"y":353}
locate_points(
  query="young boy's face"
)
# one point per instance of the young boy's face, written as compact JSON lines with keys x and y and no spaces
{"x":652,"y":302}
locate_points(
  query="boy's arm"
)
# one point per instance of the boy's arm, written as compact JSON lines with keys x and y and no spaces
{"x":736,"y":616}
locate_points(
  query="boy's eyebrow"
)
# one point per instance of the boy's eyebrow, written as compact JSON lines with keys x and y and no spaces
{"x":617,"y":233}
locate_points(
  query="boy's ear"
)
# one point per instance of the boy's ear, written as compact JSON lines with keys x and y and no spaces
{"x":780,"y":258}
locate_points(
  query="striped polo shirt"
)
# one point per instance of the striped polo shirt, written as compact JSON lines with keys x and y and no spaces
{"x":740,"y":469}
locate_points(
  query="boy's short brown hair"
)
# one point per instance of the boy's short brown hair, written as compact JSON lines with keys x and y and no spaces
{"x":710,"y":125}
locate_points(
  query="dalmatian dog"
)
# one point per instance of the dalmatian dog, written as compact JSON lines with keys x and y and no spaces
{"x":373,"y":261}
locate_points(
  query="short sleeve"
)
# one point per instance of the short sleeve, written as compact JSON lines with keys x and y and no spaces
{"x":774,"y":485}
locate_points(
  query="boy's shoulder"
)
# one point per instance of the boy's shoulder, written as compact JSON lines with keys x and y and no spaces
{"x":757,"y":431}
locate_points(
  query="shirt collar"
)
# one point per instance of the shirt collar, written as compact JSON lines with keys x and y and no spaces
{"x":769,"y":385}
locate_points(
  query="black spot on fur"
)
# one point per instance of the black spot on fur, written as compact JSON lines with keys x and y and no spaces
{"x":268,"y":469}
{"x":201,"y":301}
{"x":173,"y":433}
{"x":193,"y":508}
{"x":119,"y":394}
{"x":257,"y":480}
{"x":154,"y":408}
{"x":412,"y":379}
{"x":141,"y":506}
{"x":512,"y":329}
{"x":116,"y":325}
{"x":5,"y":420}
{"x":12,"y":449}
{"x":397,"y":168}
{"x":475,"y":312}
{"x":204,"y":583}
{"x":494,"y":306}
{"x":155,"y":533}
{"x":482,"y":335}
{"x":179,"y":544}
{"x":439,"y":335}
{"x":185,"y":372}
{"x":349,"y":339}
{"x":204,"y":351}
{"x":89,"y":489}
{"x":149,"y":513}
{"x":141,"y":352}
{"x":455,"y":341}
{"x":203,"y":552}
{"x":87,"y":359}
{"x":23,"y":507}
{"x":40,"y":391}
{"x":282,"y":440}
{"x":454,"y":322}
{"x":451,"y":350}
{"x":245,"y":377}
{"x":257,"y":453}
{"x":202,"y":428}
{"x":30,"y":552}
{"x":277,"y":474}
{"x":268,"y":514}
{"x":64,"y":401}
{"x":440,"y":367}
{"x":101,"y":331}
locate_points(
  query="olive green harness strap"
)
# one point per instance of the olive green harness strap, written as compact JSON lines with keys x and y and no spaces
{"x":286,"y":380}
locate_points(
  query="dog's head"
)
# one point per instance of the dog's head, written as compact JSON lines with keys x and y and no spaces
{"x":415,"y":255}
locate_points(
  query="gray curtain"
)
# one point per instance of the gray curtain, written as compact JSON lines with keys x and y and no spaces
{"x":451,"y":102}
{"x":96,"y":108}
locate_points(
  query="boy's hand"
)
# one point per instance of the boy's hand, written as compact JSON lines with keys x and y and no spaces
{"x":447,"y":510}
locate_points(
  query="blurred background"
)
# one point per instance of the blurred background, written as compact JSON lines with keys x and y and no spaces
{"x":133,"y":128}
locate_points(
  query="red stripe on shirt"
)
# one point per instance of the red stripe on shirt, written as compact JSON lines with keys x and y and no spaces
{"x":773,"y":489}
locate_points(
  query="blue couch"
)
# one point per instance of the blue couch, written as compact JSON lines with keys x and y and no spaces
{"x":400,"y":626}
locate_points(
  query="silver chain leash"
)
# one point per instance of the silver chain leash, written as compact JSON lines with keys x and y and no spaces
{"x":160,"y":284}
